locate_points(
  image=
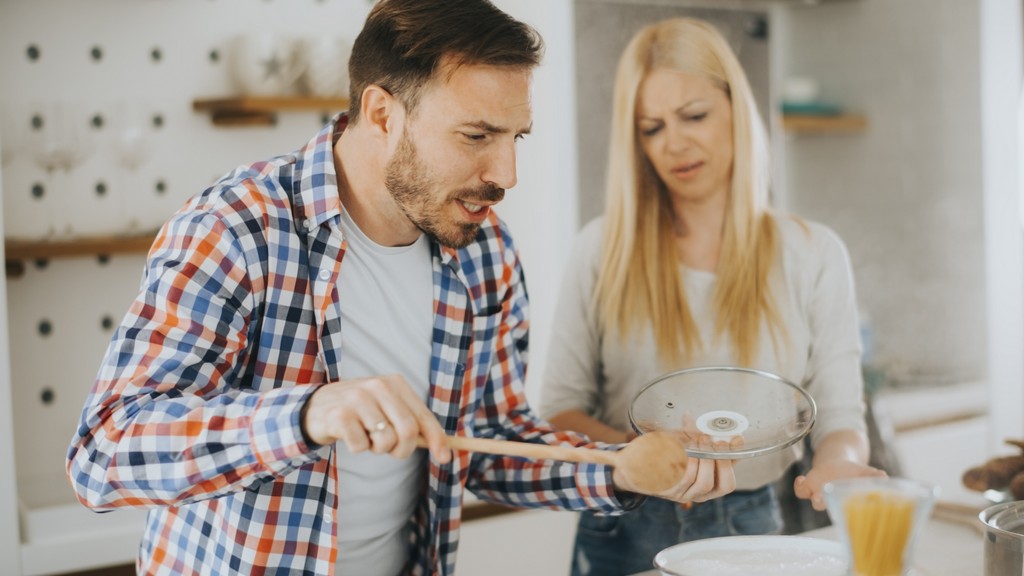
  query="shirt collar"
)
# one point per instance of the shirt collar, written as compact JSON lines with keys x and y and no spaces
{"x":315,"y":184}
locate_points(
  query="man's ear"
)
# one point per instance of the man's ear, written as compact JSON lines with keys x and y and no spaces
{"x":380,"y":110}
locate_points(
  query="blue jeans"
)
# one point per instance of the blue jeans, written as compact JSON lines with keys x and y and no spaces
{"x":627,"y":544}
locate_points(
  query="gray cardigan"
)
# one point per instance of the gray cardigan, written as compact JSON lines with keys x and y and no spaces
{"x":813,"y":287}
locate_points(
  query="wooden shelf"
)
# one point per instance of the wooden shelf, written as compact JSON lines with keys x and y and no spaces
{"x":262,"y":111}
{"x":808,"y":124}
{"x":17,"y":251}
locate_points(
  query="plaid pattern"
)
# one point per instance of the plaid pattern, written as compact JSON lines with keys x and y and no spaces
{"x":195,"y":413}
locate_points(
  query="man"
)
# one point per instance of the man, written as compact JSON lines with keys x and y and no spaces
{"x":304,"y":321}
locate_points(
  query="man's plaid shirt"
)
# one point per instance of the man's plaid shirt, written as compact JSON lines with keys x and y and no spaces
{"x":195,"y":413}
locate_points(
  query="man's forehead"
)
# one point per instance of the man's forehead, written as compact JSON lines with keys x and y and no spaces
{"x":490,"y":98}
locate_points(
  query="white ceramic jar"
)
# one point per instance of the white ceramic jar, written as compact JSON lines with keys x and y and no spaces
{"x":265,"y":63}
{"x":326,"y":65}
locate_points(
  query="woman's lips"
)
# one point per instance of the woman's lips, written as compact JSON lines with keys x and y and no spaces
{"x":688,"y":170}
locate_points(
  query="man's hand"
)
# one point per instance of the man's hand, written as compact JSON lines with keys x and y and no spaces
{"x":381,"y":414}
{"x":703,"y":479}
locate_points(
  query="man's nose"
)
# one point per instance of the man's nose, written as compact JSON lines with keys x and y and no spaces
{"x":501,"y":167}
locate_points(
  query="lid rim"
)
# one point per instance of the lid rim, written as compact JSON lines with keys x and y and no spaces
{"x":739,"y":454}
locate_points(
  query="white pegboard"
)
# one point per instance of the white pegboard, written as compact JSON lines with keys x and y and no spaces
{"x":184,"y":153}
{"x":60,"y":317}
{"x":47,"y":62}
{"x":128,"y":87}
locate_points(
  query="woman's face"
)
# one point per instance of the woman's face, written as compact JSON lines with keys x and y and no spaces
{"x":684,"y":125}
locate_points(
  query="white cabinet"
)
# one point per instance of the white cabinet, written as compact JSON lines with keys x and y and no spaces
{"x":9,"y":534}
{"x":535,"y":542}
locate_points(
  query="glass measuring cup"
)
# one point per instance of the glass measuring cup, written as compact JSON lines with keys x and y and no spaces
{"x":878,"y":520}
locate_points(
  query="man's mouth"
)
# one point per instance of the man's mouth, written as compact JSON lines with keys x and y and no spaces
{"x":476,"y":202}
{"x":471,"y":207}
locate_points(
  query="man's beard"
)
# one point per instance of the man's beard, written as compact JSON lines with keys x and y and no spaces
{"x":409,"y":183}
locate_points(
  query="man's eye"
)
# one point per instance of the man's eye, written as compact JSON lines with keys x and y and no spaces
{"x":475,"y":137}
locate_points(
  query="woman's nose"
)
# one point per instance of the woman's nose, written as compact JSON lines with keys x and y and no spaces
{"x":678,"y":138}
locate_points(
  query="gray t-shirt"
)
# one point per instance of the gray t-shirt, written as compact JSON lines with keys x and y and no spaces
{"x":386,"y":323}
{"x":813,"y":287}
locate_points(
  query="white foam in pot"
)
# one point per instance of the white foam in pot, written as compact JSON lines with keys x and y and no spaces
{"x":761,"y":555}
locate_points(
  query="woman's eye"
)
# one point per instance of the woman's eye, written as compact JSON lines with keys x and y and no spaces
{"x":650,"y":130}
{"x":697,"y":117}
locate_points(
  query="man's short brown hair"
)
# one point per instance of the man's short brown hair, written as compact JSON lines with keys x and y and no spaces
{"x":403,"y":43}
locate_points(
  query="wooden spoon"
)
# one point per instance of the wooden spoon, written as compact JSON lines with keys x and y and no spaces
{"x":652,"y":462}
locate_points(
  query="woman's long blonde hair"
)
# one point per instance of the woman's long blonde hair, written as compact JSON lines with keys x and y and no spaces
{"x":639,"y":282}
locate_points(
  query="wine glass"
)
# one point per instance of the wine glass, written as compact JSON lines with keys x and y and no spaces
{"x":11,"y":132}
{"x":59,"y":139}
{"x":132,"y":141}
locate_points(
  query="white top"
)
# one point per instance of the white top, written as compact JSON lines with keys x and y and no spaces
{"x":386,"y":323}
{"x":813,"y":288}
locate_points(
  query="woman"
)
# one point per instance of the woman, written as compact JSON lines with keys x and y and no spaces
{"x":689,"y":267}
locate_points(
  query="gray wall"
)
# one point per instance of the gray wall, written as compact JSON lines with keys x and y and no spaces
{"x":906,"y":195}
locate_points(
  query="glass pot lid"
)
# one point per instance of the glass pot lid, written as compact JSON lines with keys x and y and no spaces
{"x":726,"y":412}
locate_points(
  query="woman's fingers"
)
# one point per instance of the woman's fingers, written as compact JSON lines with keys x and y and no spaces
{"x":736,"y":443}
{"x":800,"y":488}
{"x":705,"y":479}
{"x":725,"y":479}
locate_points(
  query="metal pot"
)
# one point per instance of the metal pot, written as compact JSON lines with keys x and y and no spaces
{"x":1004,"y":538}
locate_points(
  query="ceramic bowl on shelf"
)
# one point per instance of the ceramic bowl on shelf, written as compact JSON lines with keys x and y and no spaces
{"x":801,"y":90}
{"x":265,"y":63}
{"x":726,"y":412}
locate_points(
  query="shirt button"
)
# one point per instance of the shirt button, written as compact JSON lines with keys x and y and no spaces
{"x":327,"y":518}
{"x":308,"y":224}
{"x":325,"y":274}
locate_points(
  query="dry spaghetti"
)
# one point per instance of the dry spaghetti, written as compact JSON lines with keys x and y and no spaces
{"x":879,"y":526}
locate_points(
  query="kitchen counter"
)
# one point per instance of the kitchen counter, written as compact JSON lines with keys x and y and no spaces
{"x":951,"y":544}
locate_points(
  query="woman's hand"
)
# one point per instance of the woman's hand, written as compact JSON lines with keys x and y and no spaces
{"x":840,"y":454}
{"x":810,"y":487}
{"x":703,"y":480}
